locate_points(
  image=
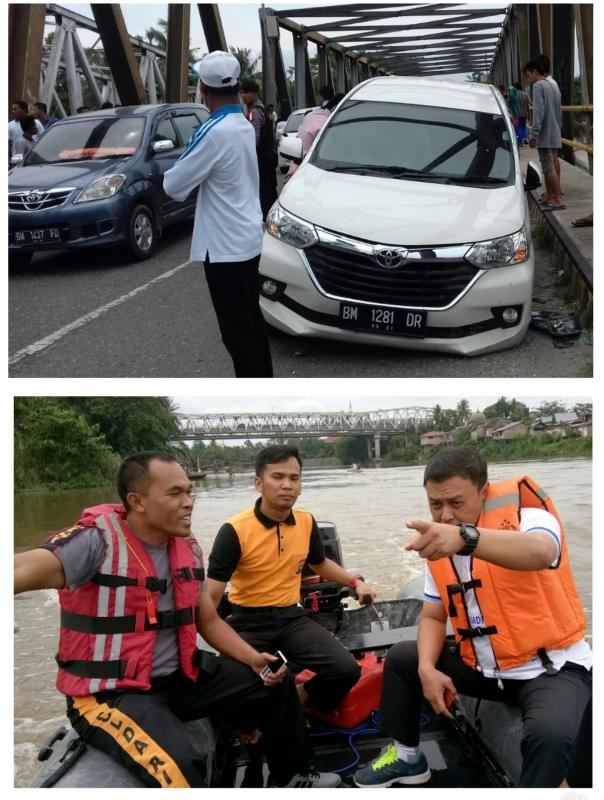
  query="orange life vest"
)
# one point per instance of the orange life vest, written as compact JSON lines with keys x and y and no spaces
{"x":523,"y":612}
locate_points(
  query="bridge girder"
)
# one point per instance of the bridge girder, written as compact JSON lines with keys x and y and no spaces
{"x":280,"y":425}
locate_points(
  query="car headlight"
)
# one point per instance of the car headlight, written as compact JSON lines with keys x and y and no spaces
{"x":500,"y":252}
{"x":290,"y":229}
{"x":101,"y":189}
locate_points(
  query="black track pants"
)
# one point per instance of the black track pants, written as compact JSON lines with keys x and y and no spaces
{"x":235,"y":291}
{"x":144,"y":730}
{"x":305,"y":642}
{"x":552,"y":708}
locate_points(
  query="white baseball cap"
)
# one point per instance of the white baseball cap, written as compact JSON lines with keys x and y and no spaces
{"x":218,"y":69}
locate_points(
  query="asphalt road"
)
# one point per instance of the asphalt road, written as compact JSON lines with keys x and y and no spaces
{"x":96,"y":315}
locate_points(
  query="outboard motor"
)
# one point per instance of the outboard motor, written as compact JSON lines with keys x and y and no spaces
{"x":321,"y":597}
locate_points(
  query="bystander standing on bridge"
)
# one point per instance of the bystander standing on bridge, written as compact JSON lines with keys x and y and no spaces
{"x":545,"y":131}
{"x":220,"y":161}
{"x":265,"y":144}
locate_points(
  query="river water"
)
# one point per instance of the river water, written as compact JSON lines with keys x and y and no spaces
{"x":369,"y":508}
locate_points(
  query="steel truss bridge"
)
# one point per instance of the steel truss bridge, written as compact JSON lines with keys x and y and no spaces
{"x":296,"y":424}
{"x":352,"y":42}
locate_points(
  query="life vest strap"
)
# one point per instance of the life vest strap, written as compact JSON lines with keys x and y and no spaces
{"x":547,"y":662}
{"x":460,"y":588}
{"x":83,"y":623}
{"x":190,"y":574}
{"x":172,"y":619}
{"x":473,"y":633}
{"x":152,"y":583}
{"x":94,"y":669}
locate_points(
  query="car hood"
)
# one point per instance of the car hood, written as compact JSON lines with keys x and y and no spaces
{"x":402,"y":212}
{"x":78,"y":174}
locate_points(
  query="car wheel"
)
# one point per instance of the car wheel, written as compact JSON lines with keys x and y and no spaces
{"x":141,"y":233}
{"x":20,"y":259}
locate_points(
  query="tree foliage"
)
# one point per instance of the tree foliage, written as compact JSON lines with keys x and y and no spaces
{"x":71,"y":442}
{"x":56,"y":447}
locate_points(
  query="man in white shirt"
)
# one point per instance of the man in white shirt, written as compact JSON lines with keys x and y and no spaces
{"x":220,"y":159}
{"x":497,"y":569}
{"x":29,"y":136}
{"x":18,"y":110}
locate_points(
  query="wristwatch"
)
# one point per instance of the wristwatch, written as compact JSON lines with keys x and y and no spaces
{"x":470,"y":534}
{"x":355,"y":579}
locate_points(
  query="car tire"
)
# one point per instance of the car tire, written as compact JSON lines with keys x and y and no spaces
{"x":20,"y":259}
{"x":142,"y":233}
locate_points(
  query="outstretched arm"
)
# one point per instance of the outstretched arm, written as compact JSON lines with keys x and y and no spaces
{"x":38,"y":569}
{"x":510,"y":549}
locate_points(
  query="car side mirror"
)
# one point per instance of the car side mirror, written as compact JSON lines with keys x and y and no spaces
{"x":16,"y":159}
{"x":162,"y":146}
{"x":290,"y":147}
{"x":533,"y":179}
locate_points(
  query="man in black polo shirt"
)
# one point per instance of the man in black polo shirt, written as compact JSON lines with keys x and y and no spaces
{"x":262,"y":552}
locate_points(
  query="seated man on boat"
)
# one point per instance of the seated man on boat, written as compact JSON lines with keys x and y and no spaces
{"x":262,"y":552}
{"x":497,"y":568}
{"x":132,"y":597}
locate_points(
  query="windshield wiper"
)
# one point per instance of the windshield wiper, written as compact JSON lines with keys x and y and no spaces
{"x":476,"y":179}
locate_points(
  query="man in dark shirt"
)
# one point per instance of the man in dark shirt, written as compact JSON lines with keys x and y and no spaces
{"x":262,"y":551}
{"x":265,"y":144}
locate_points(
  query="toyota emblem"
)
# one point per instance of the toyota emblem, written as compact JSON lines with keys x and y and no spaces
{"x":34,"y":197}
{"x":390,"y":258}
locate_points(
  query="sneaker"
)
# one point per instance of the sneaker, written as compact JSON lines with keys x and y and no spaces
{"x":388,"y":769}
{"x":314,"y":780}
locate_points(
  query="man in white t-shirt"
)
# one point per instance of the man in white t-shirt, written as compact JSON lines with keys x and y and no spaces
{"x":497,"y":569}
{"x":220,"y":160}
{"x":18,"y":110}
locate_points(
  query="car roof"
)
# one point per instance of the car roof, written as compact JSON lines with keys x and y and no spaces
{"x":438,"y":92}
{"x":143,"y":110}
{"x":303,"y":110}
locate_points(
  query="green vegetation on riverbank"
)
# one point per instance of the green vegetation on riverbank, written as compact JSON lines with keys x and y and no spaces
{"x":68,"y":443}
{"x":527,"y":448}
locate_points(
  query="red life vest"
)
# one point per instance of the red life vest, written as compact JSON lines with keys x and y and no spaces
{"x":523,"y":612}
{"x":109,"y":625}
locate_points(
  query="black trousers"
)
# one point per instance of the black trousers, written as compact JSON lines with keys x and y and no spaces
{"x":235,"y":291}
{"x":552,"y":708}
{"x":305,"y":642}
{"x":144,"y":731}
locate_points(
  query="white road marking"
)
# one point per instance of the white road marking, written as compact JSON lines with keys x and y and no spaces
{"x":54,"y":337}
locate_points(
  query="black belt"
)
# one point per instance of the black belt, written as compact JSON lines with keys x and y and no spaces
{"x":259,"y":609}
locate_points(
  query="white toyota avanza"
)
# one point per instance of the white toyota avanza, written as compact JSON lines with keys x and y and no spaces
{"x":407,"y":224}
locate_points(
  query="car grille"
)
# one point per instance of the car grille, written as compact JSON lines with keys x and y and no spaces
{"x":38,"y":199}
{"x":353,"y":275}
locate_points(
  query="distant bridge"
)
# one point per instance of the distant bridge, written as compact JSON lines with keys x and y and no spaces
{"x":298,"y":424}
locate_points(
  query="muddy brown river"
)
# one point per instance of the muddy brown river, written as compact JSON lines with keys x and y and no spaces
{"x":369,"y":508}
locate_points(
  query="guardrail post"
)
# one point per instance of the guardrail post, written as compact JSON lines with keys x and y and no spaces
{"x":562,"y":57}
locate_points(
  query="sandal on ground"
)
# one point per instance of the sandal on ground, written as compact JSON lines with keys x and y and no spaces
{"x":583,"y":222}
{"x":553,"y":206}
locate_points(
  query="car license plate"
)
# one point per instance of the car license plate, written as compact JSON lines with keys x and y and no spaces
{"x":397,"y":321}
{"x":38,"y":236}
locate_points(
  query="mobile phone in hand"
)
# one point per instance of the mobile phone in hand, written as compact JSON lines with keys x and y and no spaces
{"x":274,"y":666}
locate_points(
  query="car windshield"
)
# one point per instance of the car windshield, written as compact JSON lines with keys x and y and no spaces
{"x":293,"y":123}
{"x":412,"y":142}
{"x":87,"y":139}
